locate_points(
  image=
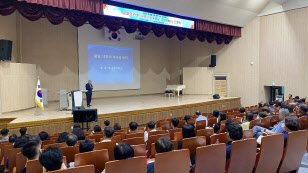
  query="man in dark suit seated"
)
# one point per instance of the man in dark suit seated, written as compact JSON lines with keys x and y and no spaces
{"x":235,"y":132}
{"x":89,"y":87}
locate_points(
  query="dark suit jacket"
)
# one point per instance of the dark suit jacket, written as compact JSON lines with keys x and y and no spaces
{"x":88,"y":87}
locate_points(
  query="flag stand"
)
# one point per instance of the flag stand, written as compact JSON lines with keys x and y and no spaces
{"x":38,"y":111}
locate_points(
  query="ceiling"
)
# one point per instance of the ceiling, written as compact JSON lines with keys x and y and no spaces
{"x":232,"y":12}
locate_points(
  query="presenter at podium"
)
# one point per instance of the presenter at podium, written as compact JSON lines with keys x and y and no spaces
{"x":89,"y":87}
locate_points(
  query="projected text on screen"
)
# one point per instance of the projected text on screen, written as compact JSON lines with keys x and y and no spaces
{"x":110,"y":64}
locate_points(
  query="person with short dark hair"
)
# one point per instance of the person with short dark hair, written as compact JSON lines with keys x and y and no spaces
{"x":52,"y":159}
{"x":151,"y":126}
{"x":242,"y":110}
{"x":260,"y":105}
{"x":262,"y":115}
{"x":188,"y":131}
{"x":5,"y":135}
{"x":222,"y":116}
{"x":162,"y":145}
{"x":62,"y":137}
{"x":109,"y":131}
{"x":200,"y":118}
{"x":249,"y":117}
{"x":79,"y":133}
{"x":20,"y":141}
{"x":291,"y":124}
{"x":96,"y":129}
{"x":291,"y":110}
{"x":186,"y":118}
{"x":175,"y":122}
{"x":303,"y":100}
{"x":303,"y":109}
{"x":107,"y":123}
{"x":216,"y":113}
{"x":86,"y":146}
{"x":266,"y":110}
{"x":12,"y":138}
{"x":23,"y":131}
{"x":133,"y":126}
{"x":234,"y":132}
{"x":44,"y":136}
{"x":117,"y":126}
{"x":71,"y":140}
{"x":32,"y":151}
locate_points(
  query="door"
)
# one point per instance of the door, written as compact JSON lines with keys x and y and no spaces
{"x":221,"y":85}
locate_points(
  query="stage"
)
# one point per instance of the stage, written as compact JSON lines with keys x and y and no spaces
{"x":122,"y":109}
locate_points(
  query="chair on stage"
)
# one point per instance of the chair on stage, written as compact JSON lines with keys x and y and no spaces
{"x":70,"y":152}
{"x":81,"y":169}
{"x":140,"y":150}
{"x":106,"y":145}
{"x":132,"y":165}
{"x":172,"y":131}
{"x":96,"y":158}
{"x":247,"y":134}
{"x":207,"y":133}
{"x":134,"y":141}
{"x":269,"y":157}
{"x":294,"y":151}
{"x":193,"y":143}
{"x":210,"y":158}
{"x":222,"y":138}
{"x":170,"y":162}
{"x":243,"y":156}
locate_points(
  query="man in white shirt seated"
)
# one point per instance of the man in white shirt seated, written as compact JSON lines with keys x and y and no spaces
{"x":200,"y":118}
{"x":151,"y":126}
{"x":108,"y":131}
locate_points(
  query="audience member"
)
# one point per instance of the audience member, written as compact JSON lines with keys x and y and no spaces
{"x":71,"y":140}
{"x":76,"y":126}
{"x":291,"y":110}
{"x":200,"y":118}
{"x":52,"y":159}
{"x":5,"y":135}
{"x":303,"y":109}
{"x":107,"y":123}
{"x":222,"y":117}
{"x":188,"y":131}
{"x":12,"y":138}
{"x":262,"y":115}
{"x":235,"y":132}
{"x":96,"y":129}
{"x":290,"y":124}
{"x":249,"y":117}
{"x":257,"y":130}
{"x":20,"y":141}
{"x":23,"y":131}
{"x":216,"y":113}
{"x":266,"y":110}
{"x":32,"y":151}
{"x":186,"y":118}
{"x":123,"y":151}
{"x":79,"y":133}
{"x":242,"y":110}
{"x":133,"y":126}
{"x":290,"y":97}
{"x":44,"y":136}
{"x":175,"y":122}
{"x":84,"y":146}
{"x":162,"y":145}
{"x":151,"y":126}
{"x":109,"y":131}
{"x":117,"y":126}
{"x":62,"y":137}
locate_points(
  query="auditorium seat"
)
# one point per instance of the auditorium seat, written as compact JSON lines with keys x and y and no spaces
{"x":200,"y":125}
{"x":207,"y":133}
{"x":132,"y":165}
{"x":303,"y":123}
{"x":274,"y":120}
{"x":172,"y":131}
{"x":294,"y":151}
{"x":140,"y":150}
{"x":48,"y":142}
{"x":211,"y":122}
{"x":21,"y":161}
{"x":97,"y":158}
{"x":106,"y":145}
{"x":80,"y":169}
{"x":210,"y":116}
{"x":172,"y":162}
{"x":181,"y":123}
{"x":58,"y":145}
{"x":134,"y":141}
{"x":2,"y":144}
{"x":270,"y":155}
{"x":241,"y":115}
{"x":134,"y":135}
{"x":254,"y":123}
{"x":153,"y":150}
{"x":12,"y":158}
{"x":230,"y":117}
{"x":211,"y":158}
{"x":53,"y":138}
{"x":243,"y":156}
{"x":117,"y":139}
{"x":122,"y":134}
{"x":96,"y":137}
{"x":78,"y":142}
{"x":265,"y":122}
{"x":165,"y":125}
{"x":193,"y":143}
{"x":222,"y":137}
{"x":34,"y":166}
{"x":191,"y":122}
{"x":153,"y":139}
{"x":157,"y":132}
{"x":222,"y":128}
{"x":237,"y":120}
{"x":70,"y":152}
{"x":247,"y":134}
{"x":6,"y":149}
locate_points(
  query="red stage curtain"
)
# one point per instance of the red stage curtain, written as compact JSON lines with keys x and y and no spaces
{"x":78,"y":18}
{"x":217,"y":28}
{"x":92,"y":6}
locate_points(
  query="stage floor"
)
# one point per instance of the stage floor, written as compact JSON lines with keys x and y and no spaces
{"x":109,"y":105}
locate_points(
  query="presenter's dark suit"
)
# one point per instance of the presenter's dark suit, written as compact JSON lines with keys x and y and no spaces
{"x":89,"y":93}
